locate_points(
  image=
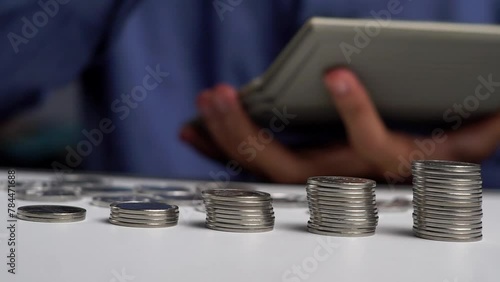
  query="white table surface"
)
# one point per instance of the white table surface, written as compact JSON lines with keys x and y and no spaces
{"x":94,"y":250}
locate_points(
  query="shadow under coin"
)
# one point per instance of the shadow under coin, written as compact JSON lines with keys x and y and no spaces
{"x":393,"y":230}
{"x":196,"y":224}
{"x":296,"y":227}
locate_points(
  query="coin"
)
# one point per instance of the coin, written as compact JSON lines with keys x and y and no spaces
{"x":51,"y":213}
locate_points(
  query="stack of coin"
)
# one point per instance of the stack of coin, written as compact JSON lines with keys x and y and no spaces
{"x":447,"y":201}
{"x":241,"y":211}
{"x":50,"y":213}
{"x":342,"y":206}
{"x":144,"y":214}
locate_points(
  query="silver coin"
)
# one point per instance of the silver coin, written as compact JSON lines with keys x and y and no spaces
{"x":106,"y":201}
{"x":450,"y":216}
{"x":49,"y":196}
{"x":94,"y":191}
{"x":52,"y":210}
{"x":432,"y":236}
{"x":418,"y":201}
{"x":235,"y":195}
{"x":253,"y":230}
{"x":243,"y":222}
{"x":82,"y":178}
{"x":143,"y":207}
{"x":140,"y":225}
{"x":173,"y":215}
{"x":340,"y":202}
{"x":144,"y":221}
{"x":350,"y":232}
{"x":166,"y":190}
{"x":450,"y":194}
{"x":340,"y":234}
{"x":459,"y":201}
{"x":461,"y":183}
{"x":50,"y":220}
{"x":344,"y":226}
{"x":334,"y":181}
{"x":243,"y":213}
{"x":341,"y":194}
{"x":240,"y":226}
{"x":347,"y":208}
{"x":240,"y":216}
{"x":51,"y":213}
{"x":451,"y":229}
{"x":440,"y":164}
{"x":242,"y":204}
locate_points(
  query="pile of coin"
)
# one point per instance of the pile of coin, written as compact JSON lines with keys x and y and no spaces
{"x":51,"y":213}
{"x":447,"y":201}
{"x":234,"y":210}
{"x":342,"y":206}
{"x":144,"y":214}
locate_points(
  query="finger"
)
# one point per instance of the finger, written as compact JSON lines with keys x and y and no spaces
{"x":476,"y":142}
{"x":245,"y":143}
{"x":366,"y":130}
{"x":202,"y":143}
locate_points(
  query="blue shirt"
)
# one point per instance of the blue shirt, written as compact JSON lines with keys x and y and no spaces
{"x":143,"y":63}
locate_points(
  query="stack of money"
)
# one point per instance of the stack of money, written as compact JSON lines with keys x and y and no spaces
{"x":342,"y":206}
{"x":235,"y":210}
{"x":51,"y":213}
{"x":144,"y":214}
{"x":447,"y":201}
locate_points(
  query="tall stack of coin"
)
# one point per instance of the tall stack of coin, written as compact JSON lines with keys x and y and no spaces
{"x":51,"y":213}
{"x":144,"y":214}
{"x":447,"y":201}
{"x":342,"y":206}
{"x":235,"y":210}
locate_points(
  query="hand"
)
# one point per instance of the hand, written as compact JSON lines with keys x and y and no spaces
{"x":373,"y":150}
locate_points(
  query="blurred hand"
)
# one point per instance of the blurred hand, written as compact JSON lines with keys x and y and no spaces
{"x":373,"y":150}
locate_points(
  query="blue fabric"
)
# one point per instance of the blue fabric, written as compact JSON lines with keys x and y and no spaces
{"x":199,"y":43}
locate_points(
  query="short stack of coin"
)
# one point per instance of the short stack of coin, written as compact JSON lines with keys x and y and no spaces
{"x":342,"y":206}
{"x":447,"y":201}
{"x":51,"y":213}
{"x":234,"y":210}
{"x":144,"y":214}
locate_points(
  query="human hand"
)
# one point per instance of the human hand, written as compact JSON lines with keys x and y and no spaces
{"x":372,"y":151}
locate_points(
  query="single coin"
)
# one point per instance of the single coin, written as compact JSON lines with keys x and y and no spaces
{"x":235,"y":195}
{"x":140,"y":225}
{"x":254,"y":230}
